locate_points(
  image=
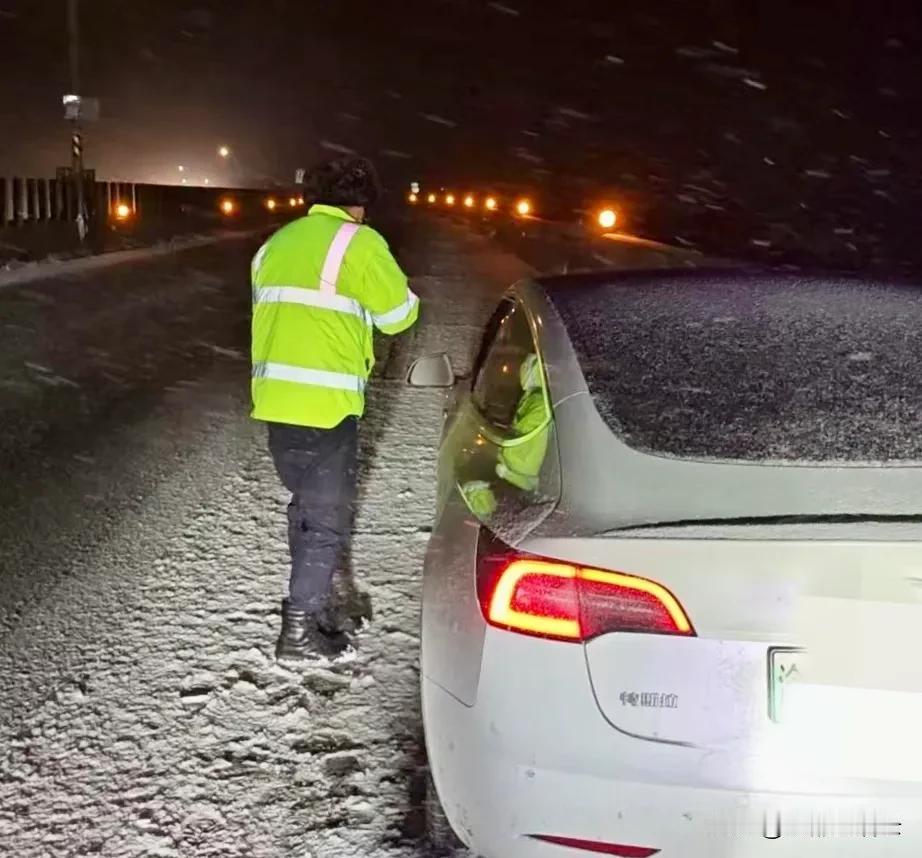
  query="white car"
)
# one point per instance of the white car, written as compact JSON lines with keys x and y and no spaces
{"x":679,"y":612}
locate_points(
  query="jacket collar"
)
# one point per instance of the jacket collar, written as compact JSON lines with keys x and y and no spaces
{"x":332,"y":211}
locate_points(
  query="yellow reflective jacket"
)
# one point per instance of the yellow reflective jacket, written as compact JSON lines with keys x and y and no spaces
{"x":320,"y":284}
{"x":520,"y":464}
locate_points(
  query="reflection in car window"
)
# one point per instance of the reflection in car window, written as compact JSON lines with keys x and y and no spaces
{"x":510,"y":481}
{"x":497,"y":388}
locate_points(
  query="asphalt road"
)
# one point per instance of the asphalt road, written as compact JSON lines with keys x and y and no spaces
{"x":142,"y":558}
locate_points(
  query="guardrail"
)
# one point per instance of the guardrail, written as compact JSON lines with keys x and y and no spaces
{"x":38,"y":217}
{"x":29,"y":201}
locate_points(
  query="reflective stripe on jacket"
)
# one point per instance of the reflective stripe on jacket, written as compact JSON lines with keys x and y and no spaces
{"x":319,"y":285}
{"x":521,"y":464}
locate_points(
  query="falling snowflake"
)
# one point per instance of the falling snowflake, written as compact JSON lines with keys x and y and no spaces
{"x":506,"y":10}
{"x":527,"y":155}
{"x":573,"y":113}
{"x":439,"y":120}
{"x":336,"y":147}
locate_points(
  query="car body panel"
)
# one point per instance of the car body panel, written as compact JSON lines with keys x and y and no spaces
{"x":673,"y":490}
{"x":510,"y":766}
{"x":452,"y":623}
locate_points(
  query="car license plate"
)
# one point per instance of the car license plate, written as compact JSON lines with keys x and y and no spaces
{"x":784,"y":667}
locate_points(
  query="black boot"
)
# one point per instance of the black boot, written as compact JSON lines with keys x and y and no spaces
{"x":348,"y":617}
{"x":302,"y":638}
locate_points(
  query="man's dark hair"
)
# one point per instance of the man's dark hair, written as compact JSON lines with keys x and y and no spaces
{"x":347,"y":181}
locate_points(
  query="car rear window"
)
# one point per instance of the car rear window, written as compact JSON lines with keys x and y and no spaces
{"x":751,"y":367}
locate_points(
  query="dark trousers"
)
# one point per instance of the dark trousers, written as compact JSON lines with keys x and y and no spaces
{"x":318,"y":467}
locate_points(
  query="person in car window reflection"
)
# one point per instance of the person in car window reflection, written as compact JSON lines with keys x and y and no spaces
{"x":518,"y":464}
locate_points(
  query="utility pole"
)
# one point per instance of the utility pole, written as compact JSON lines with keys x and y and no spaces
{"x":76,"y":138}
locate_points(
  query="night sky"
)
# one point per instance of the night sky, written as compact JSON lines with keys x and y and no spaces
{"x":790,"y":127}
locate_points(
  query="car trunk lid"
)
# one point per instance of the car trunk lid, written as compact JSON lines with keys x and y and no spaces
{"x":803,"y":664}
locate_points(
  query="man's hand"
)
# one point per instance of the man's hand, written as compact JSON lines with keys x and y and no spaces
{"x":479,"y":497}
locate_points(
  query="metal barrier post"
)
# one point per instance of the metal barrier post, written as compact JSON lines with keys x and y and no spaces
{"x":9,"y":209}
{"x":60,"y":206}
{"x":20,"y":200}
{"x":47,"y":210}
{"x":35,"y":206}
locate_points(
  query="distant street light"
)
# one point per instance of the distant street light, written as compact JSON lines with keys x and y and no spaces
{"x":224,"y":151}
{"x":491,"y":203}
{"x":207,"y":181}
{"x":607,"y":218}
{"x":523,"y":207}
{"x":181,"y":168}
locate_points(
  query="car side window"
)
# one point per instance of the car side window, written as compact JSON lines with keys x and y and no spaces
{"x":497,"y":385}
{"x":509,"y":477}
{"x":489,"y":334}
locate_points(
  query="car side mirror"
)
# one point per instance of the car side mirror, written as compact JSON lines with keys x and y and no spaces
{"x":432,"y":371}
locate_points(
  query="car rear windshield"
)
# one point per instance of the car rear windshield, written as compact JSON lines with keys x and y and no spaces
{"x":751,"y":367}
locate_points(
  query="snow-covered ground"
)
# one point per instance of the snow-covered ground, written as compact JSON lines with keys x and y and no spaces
{"x":141,"y":566}
{"x":49,"y":266}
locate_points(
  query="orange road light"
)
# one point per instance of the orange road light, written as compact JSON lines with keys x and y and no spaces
{"x":607,"y":218}
{"x":450,"y":199}
{"x":490,"y":204}
{"x":469,"y":201}
{"x":228,"y":206}
{"x":122,"y":211}
{"x":431,"y":198}
{"x":523,"y":208}
{"x":413,"y":197}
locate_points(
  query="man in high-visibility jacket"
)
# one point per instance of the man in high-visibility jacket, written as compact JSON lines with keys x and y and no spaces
{"x":518,"y":465}
{"x":320,"y":286}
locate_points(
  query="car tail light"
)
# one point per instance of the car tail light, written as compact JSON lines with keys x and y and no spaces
{"x":569,"y":602}
{"x":597,"y":846}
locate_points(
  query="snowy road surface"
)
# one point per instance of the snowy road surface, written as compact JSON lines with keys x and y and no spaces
{"x":142,"y":556}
